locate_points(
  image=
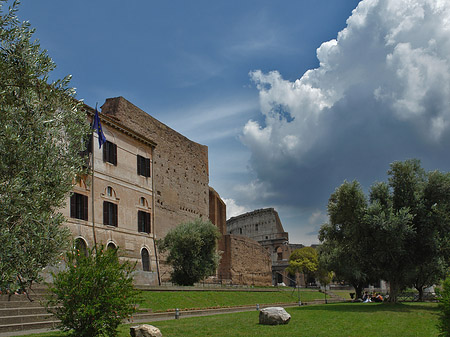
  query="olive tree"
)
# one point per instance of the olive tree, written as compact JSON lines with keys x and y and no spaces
{"x":192,"y":251}
{"x":41,"y":136}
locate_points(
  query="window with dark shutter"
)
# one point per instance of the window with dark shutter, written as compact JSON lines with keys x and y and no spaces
{"x":110,"y":152}
{"x":79,"y":206}
{"x":109,"y":214}
{"x":143,"y":222}
{"x":143,"y":166}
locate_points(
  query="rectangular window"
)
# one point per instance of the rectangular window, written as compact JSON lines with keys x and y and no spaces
{"x":79,"y":206}
{"x":143,"y":222}
{"x":110,"y":153}
{"x":109,"y":214}
{"x":143,"y":166}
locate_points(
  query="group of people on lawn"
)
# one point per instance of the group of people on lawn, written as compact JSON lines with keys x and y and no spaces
{"x":375,"y":297}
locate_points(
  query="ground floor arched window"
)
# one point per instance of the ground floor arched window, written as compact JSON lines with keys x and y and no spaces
{"x":81,"y":246}
{"x":111,"y":245}
{"x":145,"y":259}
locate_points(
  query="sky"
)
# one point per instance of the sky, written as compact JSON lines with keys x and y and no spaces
{"x":291,"y":97}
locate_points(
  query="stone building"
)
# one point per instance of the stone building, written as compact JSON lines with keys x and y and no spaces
{"x":116,"y":207}
{"x":147,"y":180}
{"x":264,"y":226}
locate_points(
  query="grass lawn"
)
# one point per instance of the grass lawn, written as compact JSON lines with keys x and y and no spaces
{"x":341,"y":319}
{"x":163,"y":300}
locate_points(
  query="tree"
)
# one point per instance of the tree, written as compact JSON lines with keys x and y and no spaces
{"x":344,"y":248}
{"x":192,"y":251}
{"x":94,"y":293}
{"x":427,"y":198}
{"x":303,"y":260}
{"x":41,"y":135}
{"x":390,"y":234}
{"x":402,"y":235}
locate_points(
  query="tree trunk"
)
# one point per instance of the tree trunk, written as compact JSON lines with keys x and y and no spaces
{"x":420,"y":290}
{"x":358,"y":290}
{"x":393,"y":291}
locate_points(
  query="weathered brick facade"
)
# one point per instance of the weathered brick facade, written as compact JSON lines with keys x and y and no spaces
{"x":245,"y":261}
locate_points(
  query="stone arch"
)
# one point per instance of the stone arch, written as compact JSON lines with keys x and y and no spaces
{"x":143,"y":202}
{"x":111,"y":245}
{"x":110,"y":193}
{"x":279,"y":252}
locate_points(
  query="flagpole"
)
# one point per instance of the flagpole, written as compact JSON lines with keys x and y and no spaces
{"x":92,"y":188}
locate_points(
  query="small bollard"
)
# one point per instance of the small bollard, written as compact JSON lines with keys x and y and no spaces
{"x":257,"y":307}
{"x":177,"y":313}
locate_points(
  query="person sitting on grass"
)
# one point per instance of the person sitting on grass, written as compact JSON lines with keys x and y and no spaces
{"x":366,"y":298}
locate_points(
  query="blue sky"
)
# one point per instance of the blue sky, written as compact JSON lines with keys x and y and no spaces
{"x":291,"y":97}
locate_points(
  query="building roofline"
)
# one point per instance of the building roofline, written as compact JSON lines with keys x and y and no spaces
{"x":118,"y":126}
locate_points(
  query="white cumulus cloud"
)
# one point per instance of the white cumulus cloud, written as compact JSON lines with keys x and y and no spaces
{"x":233,"y":209}
{"x":381,"y":92}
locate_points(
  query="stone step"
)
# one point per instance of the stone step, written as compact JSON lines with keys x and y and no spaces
{"x":22,"y":298}
{"x":21,"y":304}
{"x":36,"y":310}
{"x":28,"y":326}
{"x":21,"y":319}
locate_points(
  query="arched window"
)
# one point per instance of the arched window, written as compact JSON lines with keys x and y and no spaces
{"x":145,"y":260}
{"x":81,"y":246}
{"x":279,"y":254}
{"x":111,"y":245}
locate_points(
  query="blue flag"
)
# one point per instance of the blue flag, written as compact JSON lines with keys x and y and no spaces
{"x":97,"y":126}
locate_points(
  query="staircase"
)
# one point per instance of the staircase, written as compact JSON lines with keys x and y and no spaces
{"x":17,"y":313}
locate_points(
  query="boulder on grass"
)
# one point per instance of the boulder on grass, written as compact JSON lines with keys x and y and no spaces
{"x":145,"y":330}
{"x":274,"y":316}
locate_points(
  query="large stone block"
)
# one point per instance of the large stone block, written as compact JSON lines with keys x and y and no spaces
{"x":274,"y":316}
{"x":145,"y":330}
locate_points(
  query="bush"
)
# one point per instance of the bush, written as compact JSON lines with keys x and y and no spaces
{"x":93,"y":294}
{"x":444,"y":307}
{"x":192,"y":250}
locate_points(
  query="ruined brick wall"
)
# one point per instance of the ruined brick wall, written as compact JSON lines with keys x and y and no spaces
{"x":245,"y":261}
{"x":218,"y":215}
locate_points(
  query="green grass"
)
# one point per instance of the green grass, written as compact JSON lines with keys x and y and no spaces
{"x":342,"y":293}
{"x":341,"y":319}
{"x":164,"y":300}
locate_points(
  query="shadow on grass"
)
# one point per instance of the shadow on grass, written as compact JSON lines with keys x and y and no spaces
{"x":370,"y":307}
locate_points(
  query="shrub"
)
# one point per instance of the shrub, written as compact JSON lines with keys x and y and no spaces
{"x":93,"y":294}
{"x":444,"y":307}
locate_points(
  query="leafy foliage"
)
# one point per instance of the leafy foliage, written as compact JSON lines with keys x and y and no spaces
{"x":41,"y":133}
{"x":94,"y":293}
{"x":192,"y":251}
{"x":344,"y":239}
{"x":402,"y":235}
{"x":303,"y":260}
{"x":444,"y":307}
